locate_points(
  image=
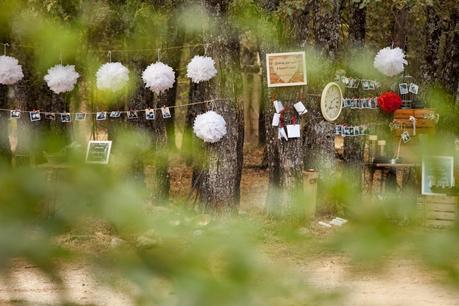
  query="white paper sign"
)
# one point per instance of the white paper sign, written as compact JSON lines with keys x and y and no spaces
{"x":299,"y":106}
{"x":278,"y":106}
{"x":282,"y":134}
{"x":293,"y":130}
{"x":276,"y":120}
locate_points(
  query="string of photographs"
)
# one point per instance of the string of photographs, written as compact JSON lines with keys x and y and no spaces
{"x":357,"y":83}
{"x":350,"y":131}
{"x":66,"y":117}
{"x":361,"y":103}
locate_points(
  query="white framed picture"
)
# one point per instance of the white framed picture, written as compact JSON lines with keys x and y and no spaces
{"x":286,"y":69}
{"x":98,"y":152}
{"x":437,"y":171}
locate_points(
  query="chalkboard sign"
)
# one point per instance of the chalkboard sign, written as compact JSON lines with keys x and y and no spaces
{"x":98,"y":152}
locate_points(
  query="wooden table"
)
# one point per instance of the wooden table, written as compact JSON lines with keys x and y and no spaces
{"x":389,"y":175}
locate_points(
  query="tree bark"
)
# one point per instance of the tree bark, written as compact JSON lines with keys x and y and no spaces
{"x":5,"y":150}
{"x":450,"y":73}
{"x":327,"y":25}
{"x":432,"y":44}
{"x":217,"y":180}
{"x":357,"y":23}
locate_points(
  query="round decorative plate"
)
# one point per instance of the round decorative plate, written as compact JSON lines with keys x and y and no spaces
{"x":331,"y":101}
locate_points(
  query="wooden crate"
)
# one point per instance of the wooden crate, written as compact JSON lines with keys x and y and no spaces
{"x":423,"y":126}
{"x":438,"y":211}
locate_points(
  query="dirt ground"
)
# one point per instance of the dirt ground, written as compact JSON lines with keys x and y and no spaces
{"x":404,"y":281}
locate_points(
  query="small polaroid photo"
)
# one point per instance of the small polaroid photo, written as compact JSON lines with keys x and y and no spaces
{"x":66,"y":117}
{"x":35,"y":116}
{"x":366,"y":103}
{"x":345,"y":80}
{"x":403,"y":87}
{"x":101,"y":116}
{"x":282,"y":134}
{"x":414,"y":88}
{"x":115,"y":114}
{"x":351,"y":83}
{"x":150,"y":114}
{"x":50,"y":116}
{"x":15,"y":114}
{"x":365,"y":85}
{"x":276,"y":119}
{"x":351,"y":131}
{"x":356,"y":83}
{"x":131,"y":115}
{"x":300,"y":108}
{"x":346,"y":131}
{"x":338,"y":129}
{"x":358,"y":103}
{"x":166,"y":112}
{"x":357,"y":131}
{"x":80,"y":116}
{"x":354,"y":103}
{"x":374,"y":103}
{"x":294,"y":130}
{"x":371,"y":85}
{"x":278,"y":106}
{"x":405,"y":137}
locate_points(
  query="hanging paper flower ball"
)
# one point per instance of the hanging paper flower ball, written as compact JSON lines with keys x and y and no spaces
{"x":61,"y":78}
{"x":210,"y":127}
{"x":112,"y":76}
{"x":158,"y":77}
{"x":201,"y":69}
{"x":390,"y":61}
{"x":389,"y":102}
{"x":10,"y":70}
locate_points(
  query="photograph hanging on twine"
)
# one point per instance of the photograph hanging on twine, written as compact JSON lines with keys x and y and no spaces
{"x":286,"y":69}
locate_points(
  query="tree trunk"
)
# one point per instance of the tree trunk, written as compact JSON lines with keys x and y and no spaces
{"x":432,"y":43}
{"x":5,"y":150}
{"x":400,"y":26}
{"x":357,"y":23}
{"x":327,"y":25}
{"x":450,"y":73}
{"x":152,"y":131}
{"x":217,"y":180}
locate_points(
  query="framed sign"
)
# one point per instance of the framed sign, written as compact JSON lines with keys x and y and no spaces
{"x":98,"y":152}
{"x":437,"y":171}
{"x":286,"y":69}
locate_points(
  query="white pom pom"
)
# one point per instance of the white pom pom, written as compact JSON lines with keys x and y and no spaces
{"x":210,"y":127}
{"x":61,"y":78}
{"x":201,"y":68}
{"x":112,"y":76}
{"x":158,"y":77}
{"x":390,"y":61}
{"x":10,"y":70}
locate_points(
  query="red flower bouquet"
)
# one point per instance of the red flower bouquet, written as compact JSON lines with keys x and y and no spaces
{"x":389,"y":101}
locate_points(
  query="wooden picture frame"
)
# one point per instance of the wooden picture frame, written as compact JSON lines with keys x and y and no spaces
{"x":438,"y":170}
{"x":286,"y":69}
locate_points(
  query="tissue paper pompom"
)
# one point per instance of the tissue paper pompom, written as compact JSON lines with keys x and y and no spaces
{"x":390,"y":61}
{"x":389,"y":102}
{"x":112,"y":76}
{"x":10,"y":70}
{"x":210,"y":127}
{"x":61,"y":78}
{"x":158,"y":77}
{"x":201,"y":68}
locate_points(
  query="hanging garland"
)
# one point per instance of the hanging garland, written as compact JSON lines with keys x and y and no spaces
{"x":112,"y":76}
{"x":390,"y":61}
{"x":10,"y":70}
{"x":158,"y":77}
{"x":61,"y":78}
{"x":201,"y":69}
{"x":210,"y":127}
